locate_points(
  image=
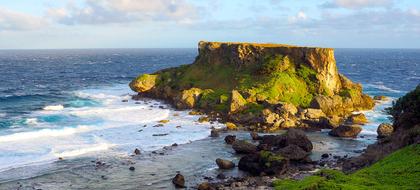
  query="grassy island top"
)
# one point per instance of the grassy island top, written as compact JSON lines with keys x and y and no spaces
{"x":264,"y":45}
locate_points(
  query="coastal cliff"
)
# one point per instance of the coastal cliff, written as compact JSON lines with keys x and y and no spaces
{"x":263,"y":86}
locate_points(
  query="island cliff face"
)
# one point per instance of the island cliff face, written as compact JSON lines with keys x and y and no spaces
{"x":263,"y":86}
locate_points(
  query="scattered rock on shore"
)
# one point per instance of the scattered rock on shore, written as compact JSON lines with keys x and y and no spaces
{"x":346,"y":131}
{"x":254,"y":135}
{"x":204,"y":186}
{"x":380,"y":98}
{"x":225,"y":164}
{"x":164,"y":121}
{"x":179,"y":181}
{"x":385,"y":130}
{"x":243,"y":147}
{"x":137,"y":151}
{"x":214,"y":133}
{"x":264,"y":162}
{"x":229,"y":139}
{"x":359,"y":118}
{"x":231,"y":126}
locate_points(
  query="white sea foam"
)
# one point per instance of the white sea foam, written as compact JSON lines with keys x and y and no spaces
{"x":120,"y":126}
{"x":43,"y":133}
{"x":31,"y":121}
{"x":82,"y":151}
{"x":54,"y":108}
{"x":380,"y":86}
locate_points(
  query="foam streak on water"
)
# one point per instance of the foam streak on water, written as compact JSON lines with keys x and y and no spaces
{"x":105,"y":123}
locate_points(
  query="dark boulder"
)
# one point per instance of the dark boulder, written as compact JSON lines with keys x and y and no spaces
{"x":346,"y":131}
{"x":264,"y":162}
{"x":384,"y":130}
{"x":179,"y":181}
{"x":293,"y":152}
{"x":214,"y":133}
{"x":225,"y":164}
{"x":229,"y":139}
{"x":243,"y":147}
{"x":255,"y":136}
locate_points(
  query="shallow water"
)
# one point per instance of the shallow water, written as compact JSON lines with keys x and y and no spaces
{"x":69,"y":104}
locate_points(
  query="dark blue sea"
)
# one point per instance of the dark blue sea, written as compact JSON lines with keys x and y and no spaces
{"x":68,"y":103}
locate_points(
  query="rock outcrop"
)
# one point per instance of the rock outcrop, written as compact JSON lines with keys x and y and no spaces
{"x":405,"y":131}
{"x":261,"y":85}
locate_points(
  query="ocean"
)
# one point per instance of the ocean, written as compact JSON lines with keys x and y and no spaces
{"x":73,"y":103}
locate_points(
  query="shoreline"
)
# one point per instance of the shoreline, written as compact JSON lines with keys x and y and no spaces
{"x":227,"y":149}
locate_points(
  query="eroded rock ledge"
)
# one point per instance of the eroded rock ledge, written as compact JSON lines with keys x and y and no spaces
{"x":261,"y":86}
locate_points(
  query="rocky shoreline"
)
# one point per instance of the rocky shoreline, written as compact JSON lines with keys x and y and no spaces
{"x":266,"y":88}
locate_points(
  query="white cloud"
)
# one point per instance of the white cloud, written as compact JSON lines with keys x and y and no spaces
{"x":120,"y":11}
{"x":299,"y":17}
{"x":357,"y":4}
{"x":12,"y":20}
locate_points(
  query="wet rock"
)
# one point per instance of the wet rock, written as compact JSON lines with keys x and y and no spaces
{"x":385,"y":130}
{"x":263,"y":163}
{"x":137,"y":151}
{"x":359,"y":118}
{"x":243,"y":147}
{"x":124,"y":100}
{"x":346,"y":131}
{"x":380,"y":98}
{"x":179,"y":181}
{"x":132,"y":168}
{"x":221,"y":176}
{"x":158,"y":125}
{"x":203,"y":119}
{"x":231,"y":126}
{"x":225,"y":164}
{"x":174,"y":144}
{"x":205,"y":186}
{"x":164,"y":121}
{"x":325,"y":155}
{"x":293,"y":152}
{"x":255,"y":136}
{"x":299,"y":138}
{"x":229,"y":139}
{"x":195,"y":113}
{"x":214,"y":133}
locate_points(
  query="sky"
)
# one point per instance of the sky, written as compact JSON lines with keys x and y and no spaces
{"x":57,"y":24}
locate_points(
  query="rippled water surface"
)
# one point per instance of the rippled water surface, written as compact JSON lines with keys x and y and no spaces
{"x":69,"y":104}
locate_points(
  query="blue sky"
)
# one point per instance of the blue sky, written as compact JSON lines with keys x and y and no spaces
{"x":32,"y":24}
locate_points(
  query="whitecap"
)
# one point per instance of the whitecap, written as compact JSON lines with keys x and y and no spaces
{"x":54,"y":107}
{"x":81,"y":151}
{"x":31,"y":121}
{"x":382,"y":87}
{"x":44,"y":133}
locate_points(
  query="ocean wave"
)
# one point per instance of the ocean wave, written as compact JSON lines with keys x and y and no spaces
{"x":44,"y":133}
{"x":54,"y":107}
{"x":31,"y":121}
{"x":81,"y":151}
{"x":382,"y":87}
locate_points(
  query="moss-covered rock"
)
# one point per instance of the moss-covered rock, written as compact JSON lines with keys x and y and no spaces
{"x":143,"y":83}
{"x":237,"y":102}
